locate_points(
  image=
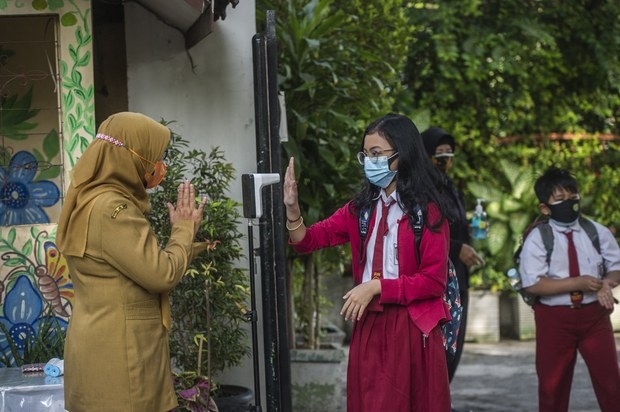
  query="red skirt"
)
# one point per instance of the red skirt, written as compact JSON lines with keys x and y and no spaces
{"x":394,"y":367}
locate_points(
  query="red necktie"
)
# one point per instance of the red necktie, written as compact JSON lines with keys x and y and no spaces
{"x":576,"y":297}
{"x":382,"y":231}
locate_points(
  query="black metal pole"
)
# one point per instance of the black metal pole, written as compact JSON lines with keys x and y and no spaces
{"x":272,"y":252}
{"x":284,"y":360}
{"x":253,"y":318}
{"x":270,"y":319}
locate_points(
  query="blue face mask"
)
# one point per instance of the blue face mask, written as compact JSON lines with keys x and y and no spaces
{"x":378,"y":171}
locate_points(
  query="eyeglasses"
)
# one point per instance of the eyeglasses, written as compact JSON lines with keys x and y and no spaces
{"x":165,"y":155}
{"x":374,"y":155}
{"x":440,"y":155}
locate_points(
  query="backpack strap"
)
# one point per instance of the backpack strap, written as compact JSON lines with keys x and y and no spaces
{"x":417,"y":218}
{"x":591,"y":231}
{"x":418,"y":226}
{"x":546,"y":234}
{"x":363,"y":223}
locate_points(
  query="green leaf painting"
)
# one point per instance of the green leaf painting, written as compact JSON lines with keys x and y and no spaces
{"x":78,"y":96}
{"x":16,"y":113}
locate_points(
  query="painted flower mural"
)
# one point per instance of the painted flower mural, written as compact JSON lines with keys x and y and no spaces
{"x":31,"y":269}
{"x":23,"y":320}
{"x":21,"y":199}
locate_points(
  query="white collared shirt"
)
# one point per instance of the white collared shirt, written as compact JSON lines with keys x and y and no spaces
{"x":534,"y":258}
{"x":390,"y":246}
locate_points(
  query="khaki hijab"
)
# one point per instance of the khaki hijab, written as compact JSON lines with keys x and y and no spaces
{"x":105,"y":167}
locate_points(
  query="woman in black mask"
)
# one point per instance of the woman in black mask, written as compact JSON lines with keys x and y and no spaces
{"x":440,"y":146}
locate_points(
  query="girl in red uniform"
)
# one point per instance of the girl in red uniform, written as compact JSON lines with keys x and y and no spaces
{"x":396,"y":357}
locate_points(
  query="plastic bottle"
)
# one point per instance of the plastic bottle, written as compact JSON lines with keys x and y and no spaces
{"x":479,"y":222}
{"x":514,"y":278}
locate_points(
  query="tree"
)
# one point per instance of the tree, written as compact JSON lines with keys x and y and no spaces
{"x":516,"y":67}
{"x":503,"y":76}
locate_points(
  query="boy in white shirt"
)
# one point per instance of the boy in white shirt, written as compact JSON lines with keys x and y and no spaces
{"x":574,"y":297}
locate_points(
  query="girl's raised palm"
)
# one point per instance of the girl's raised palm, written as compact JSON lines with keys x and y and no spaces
{"x":290,"y":186}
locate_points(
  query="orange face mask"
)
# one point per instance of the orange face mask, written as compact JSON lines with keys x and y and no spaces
{"x":155,"y":178}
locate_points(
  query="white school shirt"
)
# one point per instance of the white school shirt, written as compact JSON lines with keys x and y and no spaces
{"x":390,"y":246}
{"x":534,"y":265}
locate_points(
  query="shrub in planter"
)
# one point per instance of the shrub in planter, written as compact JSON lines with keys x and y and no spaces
{"x":193,"y":392}
{"x":211,"y":300}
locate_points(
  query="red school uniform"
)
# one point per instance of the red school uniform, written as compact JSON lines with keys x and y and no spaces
{"x":397,"y":361}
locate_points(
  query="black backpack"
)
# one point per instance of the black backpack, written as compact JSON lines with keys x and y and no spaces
{"x":546,"y":234}
{"x":450,"y":328}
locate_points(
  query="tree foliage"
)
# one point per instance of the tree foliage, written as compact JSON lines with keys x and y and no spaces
{"x":514,"y":67}
{"x":503,"y":77}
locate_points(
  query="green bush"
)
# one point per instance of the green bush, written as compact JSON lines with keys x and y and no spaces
{"x":211,"y":299}
{"x":508,"y":187}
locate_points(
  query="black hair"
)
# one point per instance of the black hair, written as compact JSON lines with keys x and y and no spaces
{"x":418,"y":182}
{"x":434,"y":137}
{"x":554,"y":178}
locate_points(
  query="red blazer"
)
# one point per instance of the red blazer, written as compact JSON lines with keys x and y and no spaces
{"x":420,"y":285}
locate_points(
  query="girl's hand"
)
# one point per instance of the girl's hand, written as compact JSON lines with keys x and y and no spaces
{"x":294,"y":220}
{"x":290,"y":186}
{"x":290,"y":196}
{"x":358,"y":298}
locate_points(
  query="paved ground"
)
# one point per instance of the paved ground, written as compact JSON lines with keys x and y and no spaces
{"x":501,"y":377}
{"x":492,"y":377}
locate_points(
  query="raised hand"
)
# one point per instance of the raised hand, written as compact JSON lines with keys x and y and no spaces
{"x":294,"y":219}
{"x":186,"y":208}
{"x":290,"y":196}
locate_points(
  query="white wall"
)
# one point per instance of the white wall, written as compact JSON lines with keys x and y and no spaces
{"x":213,"y":105}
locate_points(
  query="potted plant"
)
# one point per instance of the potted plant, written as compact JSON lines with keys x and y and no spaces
{"x":193,"y":389}
{"x":209,"y":305}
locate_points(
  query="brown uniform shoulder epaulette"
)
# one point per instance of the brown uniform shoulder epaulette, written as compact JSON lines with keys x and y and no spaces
{"x":118,"y":209}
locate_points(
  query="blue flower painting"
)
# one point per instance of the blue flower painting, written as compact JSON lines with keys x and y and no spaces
{"x":23,"y":320}
{"x":21,"y":199}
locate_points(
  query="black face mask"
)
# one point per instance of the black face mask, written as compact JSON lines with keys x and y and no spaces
{"x":442,"y":164}
{"x":566,"y":211}
{"x":442,"y":161}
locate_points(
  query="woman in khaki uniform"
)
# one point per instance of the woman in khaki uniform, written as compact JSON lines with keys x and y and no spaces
{"x":116,"y":352}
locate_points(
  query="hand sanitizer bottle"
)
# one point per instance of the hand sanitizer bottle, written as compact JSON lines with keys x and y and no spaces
{"x":479,"y":222}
